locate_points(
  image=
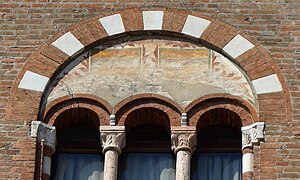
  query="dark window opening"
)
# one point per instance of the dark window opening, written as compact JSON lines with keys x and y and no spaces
{"x":218,"y":155}
{"x":147,"y":154}
{"x":78,"y":152}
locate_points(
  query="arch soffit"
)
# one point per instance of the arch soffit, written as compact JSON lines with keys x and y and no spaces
{"x":53,"y":55}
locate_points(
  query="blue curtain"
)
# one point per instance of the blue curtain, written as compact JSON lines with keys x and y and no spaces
{"x":147,"y":166}
{"x":78,"y":167}
{"x":217,"y":166}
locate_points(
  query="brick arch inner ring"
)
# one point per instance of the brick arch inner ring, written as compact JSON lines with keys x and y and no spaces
{"x":52,"y":56}
{"x":95,"y":104}
{"x":243,"y":109}
{"x":138,"y":102}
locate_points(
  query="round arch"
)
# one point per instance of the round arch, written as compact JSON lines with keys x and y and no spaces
{"x":243,"y":109}
{"x":51,"y":57}
{"x":138,"y":102}
{"x":95,"y":104}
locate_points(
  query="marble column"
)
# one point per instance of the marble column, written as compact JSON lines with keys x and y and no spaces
{"x":247,"y":160}
{"x":184,"y":141}
{"x":46,"y":136}
{"x":113,"y":140}
{"x":251,"y":135}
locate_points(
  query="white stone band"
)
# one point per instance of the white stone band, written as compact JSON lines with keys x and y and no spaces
{"x":237,"y":46}
{"x":153,"y":20}
{"x":248,"y":162}
{"x":267,"y":84}
{"x":68,"y":43}
{"x":195,"y":26}
{"x":33,"y":81}
{"x":113,"y":24}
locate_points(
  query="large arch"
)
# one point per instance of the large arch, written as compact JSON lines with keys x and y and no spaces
{"x":26,"y":100}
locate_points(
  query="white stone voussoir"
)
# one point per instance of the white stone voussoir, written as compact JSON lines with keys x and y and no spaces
{"x":113,"y":24}
{"x":153,"y":20}
{"x":195,"y":26}
{"x":33,"y":81}
{"x":267,"y":84}
{"x":68,"y":43}
{"x":237,"y":46}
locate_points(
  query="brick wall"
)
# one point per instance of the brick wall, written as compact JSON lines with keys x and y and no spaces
{"x":275,"y":24}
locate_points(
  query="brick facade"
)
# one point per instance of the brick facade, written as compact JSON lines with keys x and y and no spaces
{"x":29,"y":29}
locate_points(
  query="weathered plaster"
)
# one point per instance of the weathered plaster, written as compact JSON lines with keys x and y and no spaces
{"x":178,"y":70}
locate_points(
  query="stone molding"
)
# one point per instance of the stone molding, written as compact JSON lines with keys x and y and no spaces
{"x":184,"y":119}
{"x":44,"y":133}
{"x":112,"y":120}
{"x":112,"y":138}
{"x":252,"y":134}
{"x":183,"y":138}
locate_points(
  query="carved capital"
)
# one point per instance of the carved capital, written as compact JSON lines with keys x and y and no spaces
{"x":112,"y":138}
{"x":183,"y":139}
{"x":44,"y":133}
{"x":252,"y":134}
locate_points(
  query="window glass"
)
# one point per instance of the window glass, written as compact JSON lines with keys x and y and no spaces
{"x":147,"y":166}
{"x":147,"y":154}
{"x":78,"y":167}
{"x":217,"y":166}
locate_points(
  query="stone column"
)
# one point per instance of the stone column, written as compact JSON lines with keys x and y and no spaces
{"x":113,"y":140}
{"x":184,"y":141}
{"x":46,"y":136}
{"x":247,"y":161}
{"x":251,"y":135}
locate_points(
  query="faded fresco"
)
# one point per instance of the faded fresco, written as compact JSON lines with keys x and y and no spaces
{"x":181,"y":71}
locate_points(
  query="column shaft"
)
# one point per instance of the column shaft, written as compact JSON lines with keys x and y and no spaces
{"x":47,"y":155}
{"x":111,"y":165}
{"x":248,"y":159}
{"x":183,"y":165}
